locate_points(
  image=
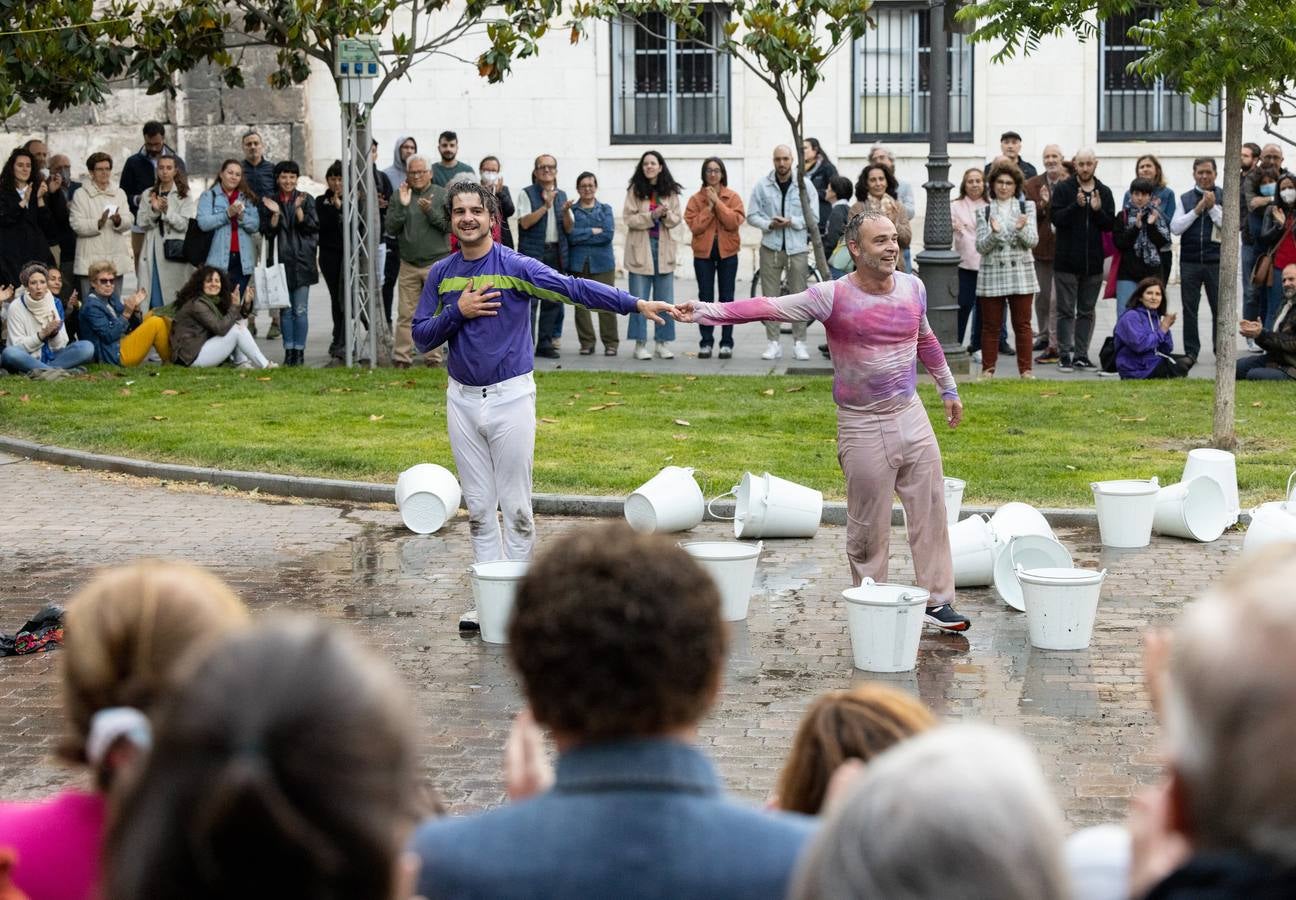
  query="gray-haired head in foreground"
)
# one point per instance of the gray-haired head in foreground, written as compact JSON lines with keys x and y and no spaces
{"x":465,"y":185}
{"x":1230,"y":710}
{"x":961,"y":813}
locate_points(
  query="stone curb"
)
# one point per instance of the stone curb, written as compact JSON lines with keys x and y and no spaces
{"x":834,"y":512}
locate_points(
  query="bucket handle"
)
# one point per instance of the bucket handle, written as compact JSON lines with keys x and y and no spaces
{"x":732,"y":492}
{"x":904,"y":597}
{"x":1288,"y":499}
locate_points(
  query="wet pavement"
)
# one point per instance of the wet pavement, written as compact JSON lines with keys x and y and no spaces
{"x":1086,"y":711}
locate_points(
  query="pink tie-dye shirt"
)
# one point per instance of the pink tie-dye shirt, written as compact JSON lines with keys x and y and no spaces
{"x":875,"y":339}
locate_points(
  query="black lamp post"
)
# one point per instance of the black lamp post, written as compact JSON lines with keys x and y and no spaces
{"x":938,"y":263}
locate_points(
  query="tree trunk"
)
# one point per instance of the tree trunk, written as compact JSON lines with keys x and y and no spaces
{"x":1223,"y":434}
{"x":808,"y":206}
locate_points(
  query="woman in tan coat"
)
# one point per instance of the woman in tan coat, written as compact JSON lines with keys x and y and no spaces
{"x":102,"y":221}
{"x":164,"y":214}
{"x":652,"y":209}
{"x":714,"y":215}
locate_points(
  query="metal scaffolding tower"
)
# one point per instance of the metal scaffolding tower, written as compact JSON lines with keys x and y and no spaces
{"x":355,"y":69}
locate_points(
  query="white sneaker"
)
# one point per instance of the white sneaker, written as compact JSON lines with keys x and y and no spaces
{"x":773,"y":351}
{"x":641,"y":350}
{"x":799,"y":350}
{"x":664,"y":350}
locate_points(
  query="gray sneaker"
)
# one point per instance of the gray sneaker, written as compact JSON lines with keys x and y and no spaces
{"x":50,"y":374}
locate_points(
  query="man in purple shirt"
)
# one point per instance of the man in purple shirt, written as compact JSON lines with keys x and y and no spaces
{"x":478,"y":303}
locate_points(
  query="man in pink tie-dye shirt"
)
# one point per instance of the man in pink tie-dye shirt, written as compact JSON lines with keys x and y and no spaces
{"x":876,"y":320}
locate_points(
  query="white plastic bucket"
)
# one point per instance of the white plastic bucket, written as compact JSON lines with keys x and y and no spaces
{"x":953,"y":498}
{"x":1013,"y":519}
{"x":1272,"y":522}
{"x":1195,"y":509}
{"x":494,"y":586}
{"x":767,"y":506}
{"x":1030,"y":551}
{"x":1221,"y":466}
{"x":732,"y":566}
{"x":669,"y":501}
{"x":885,"y":622}
{"x":1061,"y":605}
{"x":1125,"y":511}
{"x":427,"y":496}
{"x":972,"y":549}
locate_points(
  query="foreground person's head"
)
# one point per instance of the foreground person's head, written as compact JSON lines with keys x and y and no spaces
{"x":986,"y":827}
{"x":283,"y":768}
{"x":617,"y":634}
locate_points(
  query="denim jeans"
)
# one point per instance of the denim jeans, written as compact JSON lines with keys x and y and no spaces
{"x":708,"y":270}
{"x":1255,"y":368}
{"x":658,"y":286}
{"x":1192,"y":278}
{"x":292,"y":318}
{"x":235,"y":270}
{"x":1253,"y":296}
{"x":967,"y":303}
{"x":20,"y":362}
{"x":1268,"y":306}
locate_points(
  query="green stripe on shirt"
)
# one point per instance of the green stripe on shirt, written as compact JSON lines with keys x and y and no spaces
{"x":503,"y":282}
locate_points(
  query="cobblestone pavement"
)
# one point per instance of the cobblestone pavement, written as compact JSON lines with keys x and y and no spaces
{"x":1086,"y":711}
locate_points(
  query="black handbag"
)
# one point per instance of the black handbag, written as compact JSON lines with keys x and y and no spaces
{"x":173,"y":249}
{"x":195,"y":246}
{"x":1107,"y":355}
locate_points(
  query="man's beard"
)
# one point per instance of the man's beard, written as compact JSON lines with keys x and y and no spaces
{"x":1289,"y":294}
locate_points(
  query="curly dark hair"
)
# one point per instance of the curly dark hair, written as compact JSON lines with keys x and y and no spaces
{"x":1004,"y":168}
{"x":478,"y":190}
{"x":193,"y":288}
{"x":665,"y":185}
{"x":861,"y":185}
{"x":617,"y":634}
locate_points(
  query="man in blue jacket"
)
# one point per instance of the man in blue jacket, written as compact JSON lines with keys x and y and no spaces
{"x":619,"y":643}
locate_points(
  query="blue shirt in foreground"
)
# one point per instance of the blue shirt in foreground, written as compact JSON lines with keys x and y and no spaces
{"x":490,"y":349}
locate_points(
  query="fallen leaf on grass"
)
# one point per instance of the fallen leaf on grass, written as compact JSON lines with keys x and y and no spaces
{"x":1258,"y":403}
{"x":768,"y":392}
{"x":264,"y":378}
{"x":549,"y":421}
{"x":159,"y":418}
{"x":603,"y":406}
{"x":170,"y":393}
{"x":1072,"y":468}
{"x":125,"y":392}
{"x":129,"y":383}
{"x":215,"y":405}
{"x":612,"y":393}
{"x":1048,"y":393}
{"x":684,"y":422}
{"x":4,"y":393}
{"x":1132,"y":418}
{"x":690,"y":378}
{"x":680,"y":437}
{"x":1086,"y":396}
{"x":375,"y":418}
{"x":25,"y":399}
{"x":793,"y":390}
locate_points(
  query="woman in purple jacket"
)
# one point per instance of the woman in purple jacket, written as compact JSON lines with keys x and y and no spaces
{"x":1143,"y":339}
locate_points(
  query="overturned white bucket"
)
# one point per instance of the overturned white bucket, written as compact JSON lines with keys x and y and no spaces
{"x":494,"y":586}
{"x":1195,"y":509}
{"x":1061,"y":606}
{"x":766,"y":506}
{"x":1013,"y":519}
{"x":885,"y":622}
{"x":427,"y":496}
{"x":669,"y":501}
{"x":972,"y":550}
{"x":1126,"y":509}
{"x":953,"y":498}
{"x":1221,"y":466}
{"x":732,"y":566}
{"x":1030,"y":551}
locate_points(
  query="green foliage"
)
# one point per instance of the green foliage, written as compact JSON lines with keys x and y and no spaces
{"x":1204,"y":49}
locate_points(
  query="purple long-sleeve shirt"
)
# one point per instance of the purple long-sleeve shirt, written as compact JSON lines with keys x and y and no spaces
{"x":875,"y":339}
{"x":1140,"y":343}
{"x":490,"y":349}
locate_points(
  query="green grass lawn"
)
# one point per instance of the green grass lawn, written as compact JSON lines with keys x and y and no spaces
{"x":602,"y":433}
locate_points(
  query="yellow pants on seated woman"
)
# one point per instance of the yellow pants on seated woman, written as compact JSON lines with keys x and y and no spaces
{"x":153,"y":332}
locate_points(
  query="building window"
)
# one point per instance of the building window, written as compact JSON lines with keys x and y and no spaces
{"x":668,"y":89}
{"x":1132,"y":108}
{"x":892,"y":77}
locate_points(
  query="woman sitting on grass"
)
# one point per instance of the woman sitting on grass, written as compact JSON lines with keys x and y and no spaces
{"x":38,"y":343}
{"x":121,"y":333}
{"x":209,"y":326}
{"x":1143,"y":339}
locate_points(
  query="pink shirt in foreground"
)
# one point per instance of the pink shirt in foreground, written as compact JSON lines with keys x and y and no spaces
{"x":58,"y":844}
{"x":875,"y":339}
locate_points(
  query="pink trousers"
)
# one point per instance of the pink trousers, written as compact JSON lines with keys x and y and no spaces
{"x":885,"y":455}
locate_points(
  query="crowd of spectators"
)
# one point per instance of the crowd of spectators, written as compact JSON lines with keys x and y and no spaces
{"x":281,"y":760}
{"x":1075,"y":246}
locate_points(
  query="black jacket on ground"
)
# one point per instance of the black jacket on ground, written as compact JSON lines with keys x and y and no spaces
{"x":296,"y":243}
{"x":1078,"y":230}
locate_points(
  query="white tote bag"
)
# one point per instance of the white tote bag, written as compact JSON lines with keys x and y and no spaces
{"x":271,"y":282}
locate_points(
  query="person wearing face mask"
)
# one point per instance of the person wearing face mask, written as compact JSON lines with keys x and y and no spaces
{"x":38,"y":343}
{"x":493,"y":178}
{"x":1278,"y":240}
{"x":1278,"y":343}
{"x":102,"y":220}
{"x":1144,"y":345}
{"x":1262,"y":184}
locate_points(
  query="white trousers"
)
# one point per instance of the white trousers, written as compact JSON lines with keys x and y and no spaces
{"x":492,"y":436}
{"x":237,"y":341}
